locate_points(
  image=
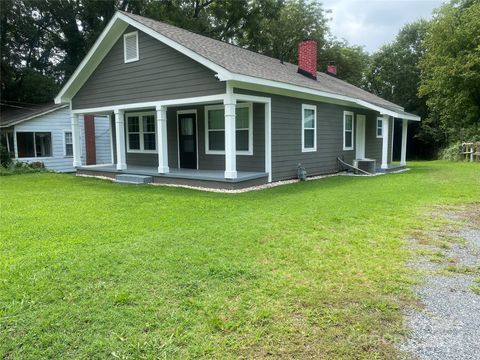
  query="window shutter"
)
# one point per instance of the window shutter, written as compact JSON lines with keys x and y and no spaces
{"x":130,"y":46}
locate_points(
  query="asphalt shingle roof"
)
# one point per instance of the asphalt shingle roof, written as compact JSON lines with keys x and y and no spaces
{"x":245,"y":62}
{"x":16,"y":112}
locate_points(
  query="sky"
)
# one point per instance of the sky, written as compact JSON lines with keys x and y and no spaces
{"x":373,"y":23}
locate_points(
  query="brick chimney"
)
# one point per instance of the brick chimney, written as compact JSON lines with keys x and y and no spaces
{"x":307,"y":58}
{"x":332,"y":68}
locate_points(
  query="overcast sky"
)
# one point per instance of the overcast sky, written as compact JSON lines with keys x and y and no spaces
{"x":373,"y":23}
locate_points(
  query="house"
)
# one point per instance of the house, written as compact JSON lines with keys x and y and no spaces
{"x":188,"y":109}
{"x":43,"y":133}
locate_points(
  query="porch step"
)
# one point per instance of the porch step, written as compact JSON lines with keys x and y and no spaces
{"x":133,"y":179}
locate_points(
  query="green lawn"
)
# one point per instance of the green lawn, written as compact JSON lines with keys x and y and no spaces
{"x":92,"y":269}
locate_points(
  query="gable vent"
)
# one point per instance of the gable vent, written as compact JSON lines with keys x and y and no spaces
{"x":130,"y":46}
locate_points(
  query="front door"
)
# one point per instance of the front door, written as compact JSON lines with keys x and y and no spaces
{"x":360,"y":153}
{"x":187,"y":140}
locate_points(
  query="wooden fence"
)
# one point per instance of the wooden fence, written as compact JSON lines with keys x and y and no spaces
{"x":471,"y":151}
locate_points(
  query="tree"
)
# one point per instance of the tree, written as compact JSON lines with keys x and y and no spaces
{"x":351,"y":61}
{"x":394,"y":74}
{"x":450,"y":69}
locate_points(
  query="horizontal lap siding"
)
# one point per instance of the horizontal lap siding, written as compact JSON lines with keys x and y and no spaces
{"x":162,"y":73}
{"x":287,"y":136}
{"x":57,"y":123}
{"x":255,"y":162}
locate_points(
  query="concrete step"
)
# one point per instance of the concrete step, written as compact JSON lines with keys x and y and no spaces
{"x":133,"y":179}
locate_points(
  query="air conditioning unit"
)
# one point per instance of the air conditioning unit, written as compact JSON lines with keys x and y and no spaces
{"x":368,"y":165}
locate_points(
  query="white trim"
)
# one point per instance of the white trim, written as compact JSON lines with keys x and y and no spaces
{"x":173,"y":44}
{"x":112,"y":146}
{"x":35,"y":144}
{"x":314,"y":108}
{"x":268,"y":139}
{"x":268,"y":126}
{"x":33,"y":116}
{"x":391,"y":144}
{"x":326,"y":95}
{"x":125,"y":36}
{"x":250,"y":129}
{"x":120,"y":22}
{"x":153,"y":104}
{"x":15,"y":145}
{"x":103,"y":44}
{"x":141,"y":132}
{"x":65,"y":143}
{"x":379,"y":118}
{"x":386,"y":120}
{"x":403,"y":154}
{"x":360,"y":136}
{"x":180,"y":112}
{"x":345,"y":148}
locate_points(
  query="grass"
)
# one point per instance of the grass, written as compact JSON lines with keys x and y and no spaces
{"x":91,"y":269}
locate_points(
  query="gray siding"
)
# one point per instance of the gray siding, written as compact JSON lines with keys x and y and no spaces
{"x":287,"y":137}
{"x":161,"y":73}
{"x":255,"y":162}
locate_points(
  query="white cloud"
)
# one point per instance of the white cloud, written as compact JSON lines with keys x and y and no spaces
{"x":373,"y":23}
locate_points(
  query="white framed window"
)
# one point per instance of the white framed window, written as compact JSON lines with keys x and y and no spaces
{"x":309,"y":128}
{"x":215,"y":129}
{"x":141,"y":132}
{"x":379,"y":127}
{"x":130,"y":47}
{"x":33,"y":144}
{"x":347,"y":130}
{"x":68,"y":141}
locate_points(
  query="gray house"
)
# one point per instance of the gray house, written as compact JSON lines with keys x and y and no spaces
{"x":188,"y":109}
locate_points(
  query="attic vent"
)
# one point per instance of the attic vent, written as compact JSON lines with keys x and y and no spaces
{"x":130,"y":46}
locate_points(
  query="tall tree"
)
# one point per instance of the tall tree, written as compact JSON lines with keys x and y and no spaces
{"x":351,"y":61}
{"x":450,"y":78}
{"x":394,"y":74}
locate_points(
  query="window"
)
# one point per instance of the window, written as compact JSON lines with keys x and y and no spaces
{"x":309,"y":128}
{"x":379,"y":127}
{"x":141,"y":136}
{"x":215,"y":129}
{"x":34,"y":144}
{"x":68,"y":143}
{"x":347,"y":130}
{"x":130,"y":47}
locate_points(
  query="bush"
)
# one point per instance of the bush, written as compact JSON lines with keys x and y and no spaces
{"x":5,"y":159}
{"x":18,"y":167}
{"x":453,"y":152}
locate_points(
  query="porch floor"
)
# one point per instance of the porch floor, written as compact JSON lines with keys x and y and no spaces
{"x":391,"y":167}
{"x":175,"y":173}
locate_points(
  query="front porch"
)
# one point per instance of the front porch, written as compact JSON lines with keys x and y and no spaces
{"x":187,"y":177}
{"x":220,"y":141}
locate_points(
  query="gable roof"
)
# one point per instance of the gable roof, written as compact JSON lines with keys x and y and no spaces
{"x":16,"y":113}
{"x":230,"y":62}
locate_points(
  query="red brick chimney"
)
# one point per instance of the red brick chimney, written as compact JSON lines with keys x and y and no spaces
{"x":307,"y":58}
{"x":332,"y":68}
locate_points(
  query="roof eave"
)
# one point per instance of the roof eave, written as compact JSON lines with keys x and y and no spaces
{"x":19,"y":121}
{"x":323,"y":94}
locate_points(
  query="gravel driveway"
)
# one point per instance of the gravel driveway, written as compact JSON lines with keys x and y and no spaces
{"x":448,"y":324}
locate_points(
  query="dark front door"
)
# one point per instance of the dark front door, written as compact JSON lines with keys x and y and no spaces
{"x":187,"y":140}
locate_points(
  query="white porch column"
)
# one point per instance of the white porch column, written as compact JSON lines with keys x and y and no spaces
{"x":120,"y":139}
{"x":162,"y":145}
{"x":385,"y":136}
{"x":230,"y":134}
{"x":77,"y":161}
{"x":403,"y":157}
